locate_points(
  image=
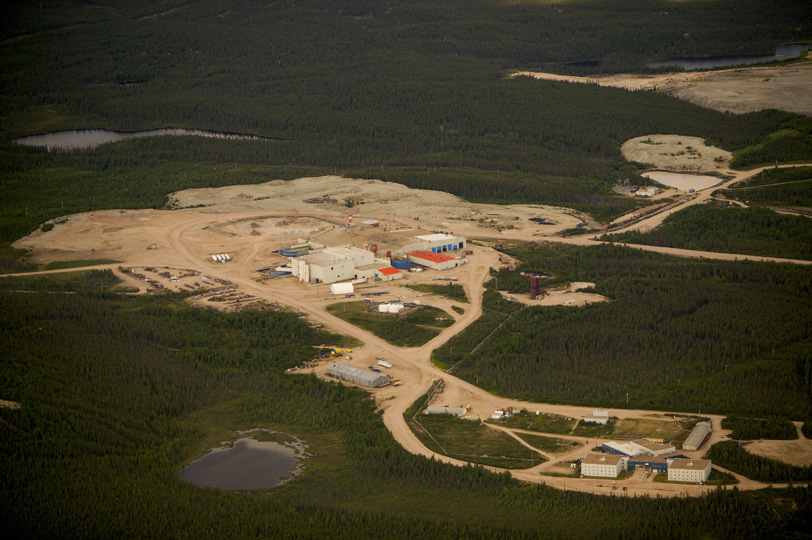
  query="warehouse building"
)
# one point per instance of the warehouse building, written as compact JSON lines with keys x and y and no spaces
{"x":330,"y":265}
{"x":688,"y":470}
{"x":656,"y":464}
{"x":388,"y":273}
{"x":436,"y":243}
{"x":598,"y":417}
{"x":603,"y":465}
{"x":358,"y":375}
{"x":644,"y":446}
{"x":698,"y":436}
{"x":436,"y":261}
{"x":453,"y":411}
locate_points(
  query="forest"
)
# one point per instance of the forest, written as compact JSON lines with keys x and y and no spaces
{"x":731,"y":455}
{"x":676,"y":334}
{"x":118,"y":392}
{"x":722,"y":228}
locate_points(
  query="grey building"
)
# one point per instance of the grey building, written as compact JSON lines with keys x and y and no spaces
{"x":358,"y":375}
{"x":697,"y":436}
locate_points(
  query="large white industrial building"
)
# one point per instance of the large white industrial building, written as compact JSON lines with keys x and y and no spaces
{"x":688,"y":470}
{"x":330,"y":265}
{"x":605,"y":465}
{"x":697,"y":437}
{"x":358,"y":375}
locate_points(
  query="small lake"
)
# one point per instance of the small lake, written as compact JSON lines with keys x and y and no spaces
{"x":785,"y":52}
{"x":248,"y":464}
{"x":84,"y":139}
{"x":683,"y":182}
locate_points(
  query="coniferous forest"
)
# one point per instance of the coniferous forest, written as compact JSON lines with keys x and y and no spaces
{"x":676,"y":334}
{"x":119,"y":392}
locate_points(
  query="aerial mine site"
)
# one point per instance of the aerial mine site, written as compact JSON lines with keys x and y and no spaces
{"x":374,"y":270}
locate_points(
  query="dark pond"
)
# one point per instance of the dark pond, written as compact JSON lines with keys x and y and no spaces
{"x":83,"y":139}
{"x":785,"y":52}
{"x":248,"y":464}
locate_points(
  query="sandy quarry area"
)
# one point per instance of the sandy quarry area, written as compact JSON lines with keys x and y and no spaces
{"x":675,"y":153}
{"x":797,"y":452}
{"x":738,"y":90}
{"x":252,"y":220}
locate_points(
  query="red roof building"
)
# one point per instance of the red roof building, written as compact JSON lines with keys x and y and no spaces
{"x":437,"y":261}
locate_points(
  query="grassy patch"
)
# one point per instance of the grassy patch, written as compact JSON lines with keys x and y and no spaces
{"x":454,"y":291}
{"x":584,"y":429}
{"x":637,"y":428}
{"x":409,"y":330}
{"x":89,"y":280}
{"x":545,"y":423}
{"x":473,"y":442}
{"x":552,"y":445}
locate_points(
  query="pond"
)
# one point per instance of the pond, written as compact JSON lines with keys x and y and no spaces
{"x":84,"y":139}
{"x":683,"y":182}
{"x":247,"y":464}
{"x":785,"y":52}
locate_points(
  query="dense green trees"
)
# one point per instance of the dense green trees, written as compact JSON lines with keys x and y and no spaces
{"x":117,"y":393}
{"x":759,"y":428}
{"x":729,"y":229}
{"x":676,"y":334}
{"x":730,"y":455}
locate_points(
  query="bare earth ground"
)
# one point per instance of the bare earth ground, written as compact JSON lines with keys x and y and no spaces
{"x":738,"y":90}
{"x":798,"y":452}
{"x":247,"y":222}
{"x":675,"y":153}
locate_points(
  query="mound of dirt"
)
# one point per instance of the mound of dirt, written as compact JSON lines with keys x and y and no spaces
{"x":675,"y":153}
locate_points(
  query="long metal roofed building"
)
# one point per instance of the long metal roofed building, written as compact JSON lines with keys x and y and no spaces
{"x":697,"y":437}
{"x":358,"y":375}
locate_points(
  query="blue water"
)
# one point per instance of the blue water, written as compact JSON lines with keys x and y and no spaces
{"x":784,"y":52}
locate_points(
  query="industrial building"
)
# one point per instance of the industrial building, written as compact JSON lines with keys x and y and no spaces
{"x":604,"y":465}
{"x":358,"y":375}
{"x":598,"y":417}
{"x":330,"y":265}
{"x":698,"y":436}
{"x":657,"y":464}
{"x":453,"y":411}
{"x":436,"y":243}
{"x":688,"y":470}
{"x":638,"y":447}
{"x":388,"y":273}
{"x":436,"y":261}
{"x":655,"y":449}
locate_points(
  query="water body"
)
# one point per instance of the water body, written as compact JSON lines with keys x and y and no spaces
{"x":683,"y":182}
{"x":785,"y":52}
{"x":248,"y":464}
{"x":84,"y":139}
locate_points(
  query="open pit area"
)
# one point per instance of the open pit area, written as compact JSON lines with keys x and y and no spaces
{"x":738,"y":90}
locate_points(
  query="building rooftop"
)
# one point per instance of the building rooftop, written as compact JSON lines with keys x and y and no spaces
{"x":323,"y":259}
{"x":429,"y":256}
{"x":690,"y":464}
{"x":435,"y":237}
{"x":697,"y":435}
{"x":602,"y":459}
{"x":388,"y":271}
{"x":652,"y":446}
